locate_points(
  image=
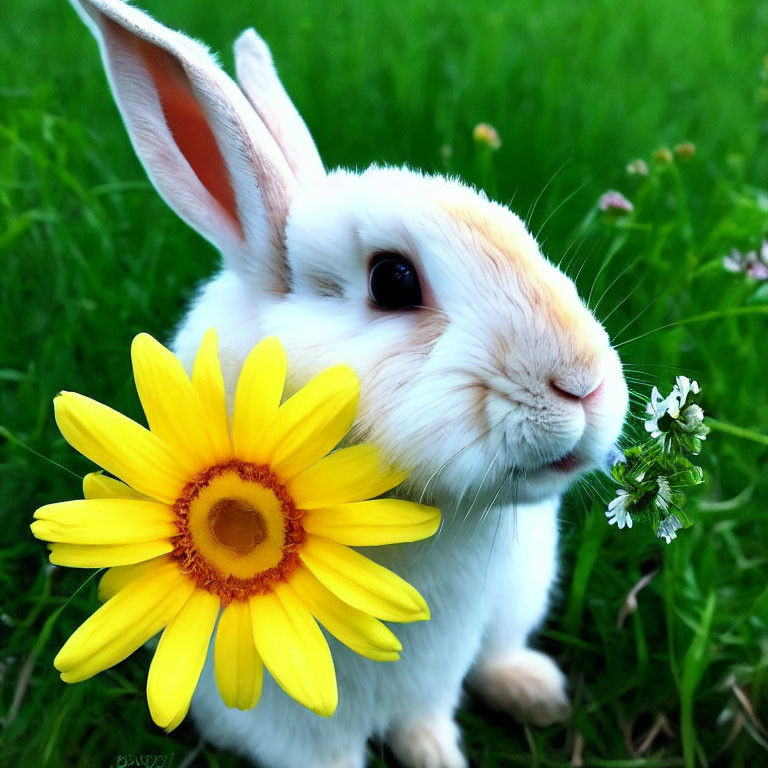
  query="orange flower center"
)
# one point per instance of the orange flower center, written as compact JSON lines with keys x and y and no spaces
{"x":239,"y":531}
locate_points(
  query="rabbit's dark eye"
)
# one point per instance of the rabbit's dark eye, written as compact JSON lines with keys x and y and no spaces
{"x":393,"y":282}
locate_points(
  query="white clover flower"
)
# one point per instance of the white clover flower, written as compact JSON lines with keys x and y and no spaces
{"x":637,"y":168}
{"x":754,"y":264}
{"x":668,"y":528}
{"x":617,"y":512}
{"x":735,"y":261}
{"x":758,"y":267}
{"x":614,"y":202}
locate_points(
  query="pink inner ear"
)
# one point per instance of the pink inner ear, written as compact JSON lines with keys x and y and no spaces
{"x":189,"y":127}
{"x":186,"y":121}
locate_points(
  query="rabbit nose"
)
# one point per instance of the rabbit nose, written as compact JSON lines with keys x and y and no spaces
{"x":576,"y":391}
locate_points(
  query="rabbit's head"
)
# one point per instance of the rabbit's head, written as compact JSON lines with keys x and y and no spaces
{"x":481,"y":370}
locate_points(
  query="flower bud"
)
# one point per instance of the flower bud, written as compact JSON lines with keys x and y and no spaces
{"x":486,"y":135}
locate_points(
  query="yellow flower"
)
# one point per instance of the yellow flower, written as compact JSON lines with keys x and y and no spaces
{"x":685,"y":149}
{"x":663,"y":155}
{"x":486,"y":135}
{"x":252,"y":527}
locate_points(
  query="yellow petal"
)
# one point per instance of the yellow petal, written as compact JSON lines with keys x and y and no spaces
{"x":311,"y":422}
{"x":97,"y":485}
{"x":107,"y":555}
{"x":124,"y":623}
{"x":294,"y":650}
{"x":171,"y":404}
{"x":177,"y":720}
{"x":370,"y":523}
{"x":120,"y":446}
{"x":209,"y":385}
{"x":349,"y":474}
{"x":104,"y":521}
{"x":179,"y":659}
{"x":259,"y":390}
{"x":361,"y":583}
{"x":118,"y":577}
{"x":357,"y":630}
{"x":239,"y":668}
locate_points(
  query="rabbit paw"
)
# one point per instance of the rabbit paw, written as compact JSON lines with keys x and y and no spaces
{"x":430,"y":742}
{"x":527,"y":684}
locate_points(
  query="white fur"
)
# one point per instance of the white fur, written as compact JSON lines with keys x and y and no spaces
{"x":257,"y":77}
{"x":461,"y":391}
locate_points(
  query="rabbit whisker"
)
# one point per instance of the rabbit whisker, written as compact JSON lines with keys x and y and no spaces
{"x":477,"y":493}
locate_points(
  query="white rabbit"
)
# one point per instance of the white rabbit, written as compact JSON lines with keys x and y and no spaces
{"x":481,"y":371}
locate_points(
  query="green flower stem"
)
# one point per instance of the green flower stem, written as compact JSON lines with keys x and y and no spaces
{"x":695,"y":663}
{"x":6,"y":434}
{"x":717,"y":314}
{"x":731,"y":429}
{"x":485,"y":169}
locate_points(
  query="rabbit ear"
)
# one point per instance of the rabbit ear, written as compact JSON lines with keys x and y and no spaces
{"x":205,"y":149}
{"x":257,"y":77}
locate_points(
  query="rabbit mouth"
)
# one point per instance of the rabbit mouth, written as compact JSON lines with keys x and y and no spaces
{"x":567,"y":463}
{"x":573,"y":462}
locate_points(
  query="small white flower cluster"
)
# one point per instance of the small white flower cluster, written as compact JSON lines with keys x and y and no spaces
{"x":753,"y":263}
{"x":654,"y":475}
{"x":690,"y":417}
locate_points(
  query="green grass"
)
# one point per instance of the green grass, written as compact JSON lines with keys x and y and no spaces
{"x":90,"y":256}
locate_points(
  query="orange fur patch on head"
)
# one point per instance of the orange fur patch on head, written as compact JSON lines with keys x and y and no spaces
{"x":494,"y":230}
{"x":502,"y":247}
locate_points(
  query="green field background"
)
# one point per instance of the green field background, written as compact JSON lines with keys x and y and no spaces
{"x":89,"y":256}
